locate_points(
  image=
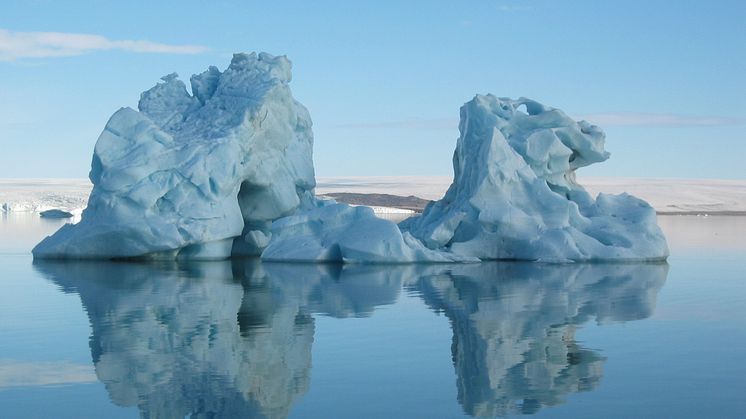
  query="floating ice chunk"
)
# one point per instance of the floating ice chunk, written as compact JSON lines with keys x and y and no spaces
{"x":514,"y":194}
{"x":55,"y":213}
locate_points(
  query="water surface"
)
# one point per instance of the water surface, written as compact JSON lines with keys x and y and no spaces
{"x":246,"y":339}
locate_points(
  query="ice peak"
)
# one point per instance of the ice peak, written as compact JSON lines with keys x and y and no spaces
{"x":170,"y":77}
{"x":264,"y":64}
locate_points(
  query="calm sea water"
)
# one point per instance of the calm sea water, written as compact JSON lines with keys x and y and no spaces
{"x":245,"y":339}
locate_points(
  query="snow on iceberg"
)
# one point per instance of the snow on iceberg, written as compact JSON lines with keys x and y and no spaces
{"x":203,"y":176}
{"x":514,"y":194}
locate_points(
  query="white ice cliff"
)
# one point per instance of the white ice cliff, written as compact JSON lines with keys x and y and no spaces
{"x":227,"y":170}
{"x":514,"y":194}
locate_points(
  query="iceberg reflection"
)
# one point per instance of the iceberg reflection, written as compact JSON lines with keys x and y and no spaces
{"x":234,"y":338}
{"x":513,"y":324}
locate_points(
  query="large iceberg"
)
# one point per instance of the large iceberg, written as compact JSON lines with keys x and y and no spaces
{"x":187,"y":174}
{"x":514,"y":194}
{"x":228,"y":171}
{"x":203,"y":176}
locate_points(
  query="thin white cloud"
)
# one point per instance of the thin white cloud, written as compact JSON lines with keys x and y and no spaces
{"x":633,"y":119}
{"x":507,"y":8}
{"x":15,"y":45}
{"x":512,"y":6}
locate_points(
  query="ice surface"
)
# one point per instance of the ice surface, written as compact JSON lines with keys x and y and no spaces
{"x":203,"y":176}
{"x":228,"y":170}
{"x":514,"y":194}
{"x":344,"y":233}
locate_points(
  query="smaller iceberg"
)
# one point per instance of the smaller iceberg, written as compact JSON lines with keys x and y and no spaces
{"x":55,"y":213}
{"x":514,"y":194}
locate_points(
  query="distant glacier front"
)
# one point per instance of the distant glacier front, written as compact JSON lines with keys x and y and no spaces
{"x":227,"y":171}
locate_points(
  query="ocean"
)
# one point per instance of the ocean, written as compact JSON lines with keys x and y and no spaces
{"x":249,"y":339}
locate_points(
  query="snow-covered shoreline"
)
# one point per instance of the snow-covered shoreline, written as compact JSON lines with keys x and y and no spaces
{"x":667,"y":196}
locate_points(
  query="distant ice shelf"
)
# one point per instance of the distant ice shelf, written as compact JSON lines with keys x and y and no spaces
{"x":37,"y":195}
{"x":666,"y":196}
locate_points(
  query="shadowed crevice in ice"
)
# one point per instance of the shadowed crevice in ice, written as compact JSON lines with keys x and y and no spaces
{"x":234,"y":339}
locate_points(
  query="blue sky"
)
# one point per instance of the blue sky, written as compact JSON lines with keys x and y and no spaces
{"x":384,"y":80}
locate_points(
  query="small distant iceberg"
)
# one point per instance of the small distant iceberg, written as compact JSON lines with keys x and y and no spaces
{"x":55,"y":213}
{"x":228,"y":171}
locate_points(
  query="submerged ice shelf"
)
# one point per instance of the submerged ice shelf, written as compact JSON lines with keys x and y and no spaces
{"x":227,"y":171}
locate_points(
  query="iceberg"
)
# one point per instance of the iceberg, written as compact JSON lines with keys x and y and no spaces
{"x":55,"y":213}
{"x":188,"y":174}
{"x":514,"y":194}
{"x":227,"y":170}
{"x":204,"y":175}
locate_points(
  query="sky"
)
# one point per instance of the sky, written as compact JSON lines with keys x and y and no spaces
{"x":384,"y":80}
